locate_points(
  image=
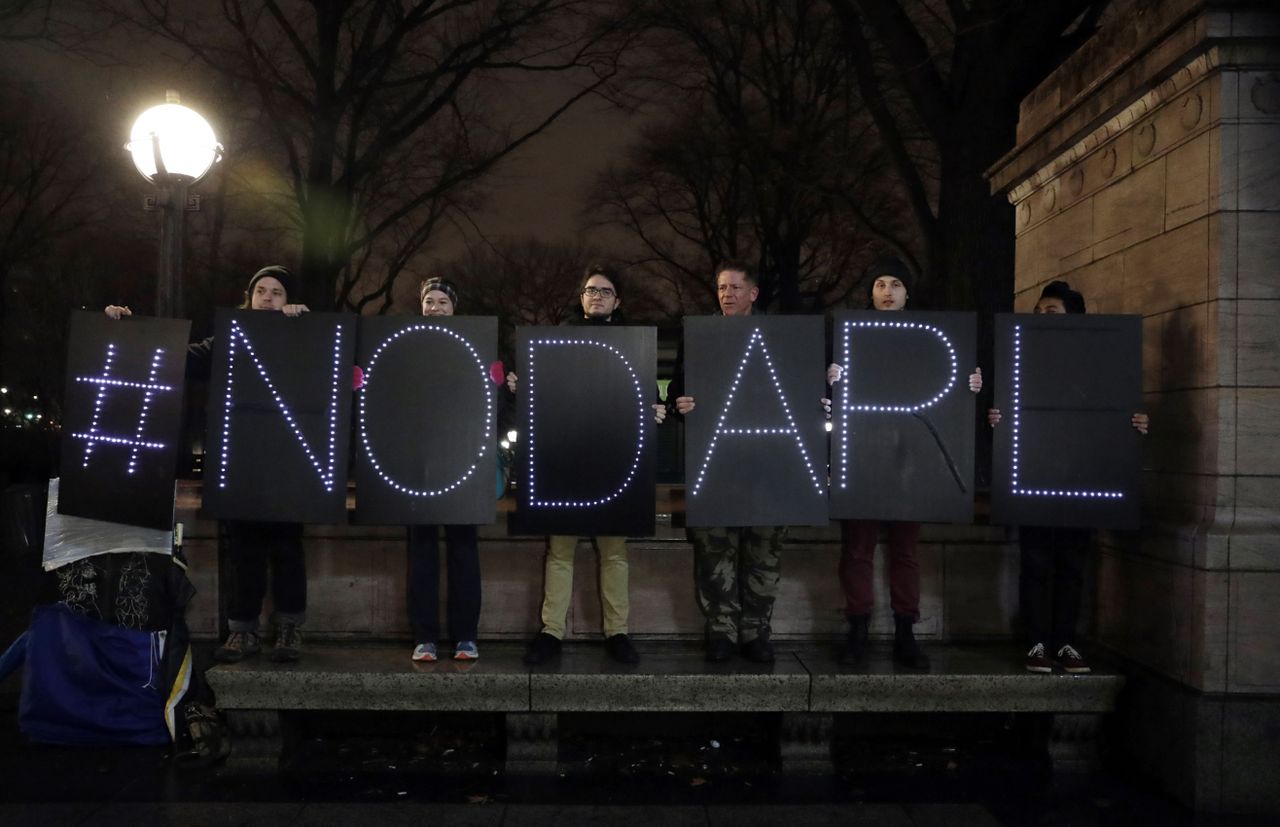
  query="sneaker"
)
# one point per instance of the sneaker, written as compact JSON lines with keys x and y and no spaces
{"x":239,"y":645}
{"x":620,"y":649}
{"x":544,"y":647}
{"x":719,"y":648}
{"x":1072,"y":661}
{"x":1038,"y":660}
{"x":288,"y":646}
{"x":425,"y":653}
{"x":758,"y":650}
{"x":466,"y":650}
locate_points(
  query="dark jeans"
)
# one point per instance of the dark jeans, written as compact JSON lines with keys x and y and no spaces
{"x":463,"y":555}
{"x":1051,"y":582}
{"x":857,"y":566}
{"x":252,"y":547}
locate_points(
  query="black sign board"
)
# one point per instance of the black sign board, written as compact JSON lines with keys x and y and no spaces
{"x":585,"y":400}
{"x":425,"y":417}
{"x":902,"y":441}
{"x":1065,"y":452}
{"x":279,"y":416}
{"x":755,"y":447}
{"x":123,"y":418}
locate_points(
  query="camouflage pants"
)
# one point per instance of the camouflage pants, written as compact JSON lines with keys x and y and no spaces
{"x":737,"y":571}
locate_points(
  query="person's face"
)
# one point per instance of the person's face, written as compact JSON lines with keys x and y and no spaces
{"x":268,"y":294}
{"x":599,"y":298}
{"x":1050,"y":305}
{"x":736,"y":294}
{"x":888,"y":293}
{"x":437,"y":303}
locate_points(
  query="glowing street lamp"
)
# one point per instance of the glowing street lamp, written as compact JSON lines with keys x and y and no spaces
{"x":173,"y":147}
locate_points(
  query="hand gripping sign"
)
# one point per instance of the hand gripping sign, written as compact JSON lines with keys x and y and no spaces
{"x":755,"y":451}
{"x":425,"y":418}
{"x":279,"y":416}
{"x":1065,"y":453}
{"x":123,"y":418}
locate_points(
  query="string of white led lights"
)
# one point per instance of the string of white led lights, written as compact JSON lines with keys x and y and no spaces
{"x":327,"y":475}
{"x":910,"y":409}
{"x":531,"y":441}
{"x":1014,"y":485}
{"x":757,"y":338}
{"x":363,"y":411}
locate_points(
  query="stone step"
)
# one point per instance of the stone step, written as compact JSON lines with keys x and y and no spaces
{"x":671,"y":677}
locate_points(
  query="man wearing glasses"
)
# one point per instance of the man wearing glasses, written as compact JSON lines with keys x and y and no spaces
{"x":601,"y":297}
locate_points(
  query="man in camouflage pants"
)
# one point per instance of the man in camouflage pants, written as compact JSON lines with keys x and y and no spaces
{"x":737,"y":569}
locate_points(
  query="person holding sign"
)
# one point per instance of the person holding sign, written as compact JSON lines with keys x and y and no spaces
{"x":252,"y":546}
{"x":439,"y":297}
{"x":600,"y":296}
{"x":737,"y":569}
{"x":889,"y":292}
{"x":1051,"y":580}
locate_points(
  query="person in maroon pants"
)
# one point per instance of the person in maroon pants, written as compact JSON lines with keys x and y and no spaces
{"x":890,"y":280}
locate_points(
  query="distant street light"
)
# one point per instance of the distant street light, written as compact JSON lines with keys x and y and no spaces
{"x":173,"y":148}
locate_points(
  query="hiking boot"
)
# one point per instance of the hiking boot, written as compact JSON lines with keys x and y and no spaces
{"x":906,"y":652}
{"x":855,"y":645}
{"x":288,"y":646}
{"x":719,"y":648}
{"x":1038,"y":660}
{"x":466,"y":650}
{"x":239,"y":645}
{"x":758,"y":650}
{"x":543,"y":648}
{"x":209,"y":741}
{"x":620,"y":649}
{"x":424,"y":653}
{"x":1072,"y":661}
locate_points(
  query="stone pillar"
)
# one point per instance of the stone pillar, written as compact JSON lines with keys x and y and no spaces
{"x":1147,"y":174}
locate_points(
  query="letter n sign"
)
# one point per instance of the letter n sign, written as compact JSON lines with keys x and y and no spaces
{"x":123,"y":418}
{"x":1065,"y":452}
{"x":903,"y":431}
{"x":585,"y":403}
{"x":755,"y":451}
{"x":279,"y":416}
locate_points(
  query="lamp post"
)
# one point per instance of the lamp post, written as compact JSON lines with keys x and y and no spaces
{"x":173,"y":148}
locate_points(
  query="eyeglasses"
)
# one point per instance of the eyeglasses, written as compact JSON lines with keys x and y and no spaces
{"x":606,"y":292}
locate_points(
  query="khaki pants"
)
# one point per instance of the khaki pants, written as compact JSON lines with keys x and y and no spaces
{"x":558,"y":588}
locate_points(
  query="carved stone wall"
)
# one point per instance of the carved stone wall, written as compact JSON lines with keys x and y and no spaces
{"x":1148,"y":176}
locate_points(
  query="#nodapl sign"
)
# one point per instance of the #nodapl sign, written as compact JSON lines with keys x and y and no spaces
{"x":423,"y":405}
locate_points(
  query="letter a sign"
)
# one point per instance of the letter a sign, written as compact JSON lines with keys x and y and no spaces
{"x":756,"y":442}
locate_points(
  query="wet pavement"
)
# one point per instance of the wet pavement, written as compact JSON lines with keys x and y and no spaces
{"x":617,"y":769}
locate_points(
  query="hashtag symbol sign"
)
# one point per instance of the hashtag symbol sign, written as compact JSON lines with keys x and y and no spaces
{"x":106,"y":381}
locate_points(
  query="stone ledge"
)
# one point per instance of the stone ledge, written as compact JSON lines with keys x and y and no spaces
{"x":671,"y":677}
{"x":963,"y":679}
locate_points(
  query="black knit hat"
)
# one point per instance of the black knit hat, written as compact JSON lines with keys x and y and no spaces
{"x":443,"y":285}
{"x":887,"y":266}
{"x":281,"y":274}
{"x":1072,"y":300}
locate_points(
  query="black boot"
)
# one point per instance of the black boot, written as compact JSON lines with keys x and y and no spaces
{"x":855,"y":645}
{"x":906,"y":652}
